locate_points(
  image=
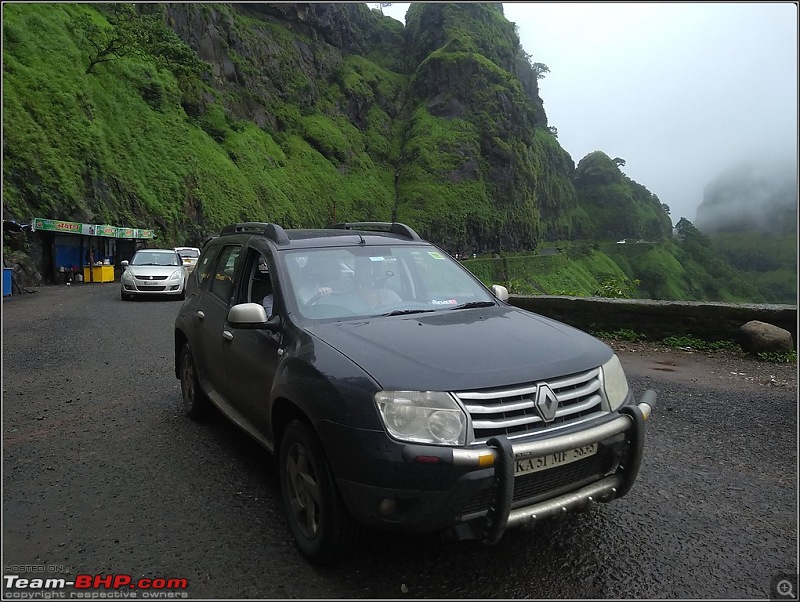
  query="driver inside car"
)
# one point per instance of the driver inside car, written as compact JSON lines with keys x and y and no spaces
{"x":319,"y":275}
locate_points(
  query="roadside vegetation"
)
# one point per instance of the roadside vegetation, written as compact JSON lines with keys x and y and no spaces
{"x":692,"y":343}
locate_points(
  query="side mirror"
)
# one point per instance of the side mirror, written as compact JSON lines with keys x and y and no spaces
{"x":124,"y":263}
{"x":500,"y":292}
{"x":252,"y":316}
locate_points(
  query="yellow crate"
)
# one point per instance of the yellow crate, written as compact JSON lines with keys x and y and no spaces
{"x":99,"y":273}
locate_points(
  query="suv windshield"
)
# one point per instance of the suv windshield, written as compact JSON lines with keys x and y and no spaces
{"x":155,"y":258}
{"x":384,"y":280}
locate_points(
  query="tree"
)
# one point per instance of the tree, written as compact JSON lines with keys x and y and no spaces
{"x":553,"y":130}
{"x":109,"y":44}
{"x":381,"y":5}
{"x":132,"y":32}
{"x":619,"y":162}
{"x":539,"y":69}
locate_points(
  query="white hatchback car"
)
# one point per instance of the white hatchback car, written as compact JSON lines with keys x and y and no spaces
{"x":153,"y":272}
{"x":189,"y":255}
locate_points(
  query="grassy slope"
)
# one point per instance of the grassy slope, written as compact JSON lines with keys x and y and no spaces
{"x":770,"y":262}
{"x":72,"y":136}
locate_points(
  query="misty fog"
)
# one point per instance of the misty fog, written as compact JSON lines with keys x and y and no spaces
{"x":751,"y":195}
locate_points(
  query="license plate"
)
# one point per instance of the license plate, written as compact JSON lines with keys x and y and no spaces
{"x":528,"y":465}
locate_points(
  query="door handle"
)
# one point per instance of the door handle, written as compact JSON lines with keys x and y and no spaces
{"x":200,"y":314}
{"x":227,"y":335}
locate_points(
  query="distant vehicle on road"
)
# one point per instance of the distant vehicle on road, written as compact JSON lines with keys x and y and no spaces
{"x":153,"y":272}
{"x":189,"y":255}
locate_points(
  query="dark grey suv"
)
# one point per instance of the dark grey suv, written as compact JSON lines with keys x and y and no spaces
{"x":398,"y":392}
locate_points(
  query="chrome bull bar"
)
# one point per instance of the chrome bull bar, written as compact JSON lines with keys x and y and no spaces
{"x":502,"y":454}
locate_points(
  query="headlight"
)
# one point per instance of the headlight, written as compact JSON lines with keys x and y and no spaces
{"x":422,"y":417}
{"x":126,"y":276}
{"x":176,"y":275}
{"x":614,"y":382}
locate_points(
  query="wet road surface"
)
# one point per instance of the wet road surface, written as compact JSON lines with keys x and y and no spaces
{"x":103,"y":474}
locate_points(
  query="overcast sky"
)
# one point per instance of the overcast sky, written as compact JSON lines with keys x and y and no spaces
{"x":681,"y":91}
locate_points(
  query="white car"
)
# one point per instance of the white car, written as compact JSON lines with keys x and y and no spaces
{"x":153,"y":272}
{"x":189,"y":255}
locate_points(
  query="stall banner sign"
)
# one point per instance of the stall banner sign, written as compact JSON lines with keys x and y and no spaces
{"x":54,"y":225}
{"x":135,"y":233}
{"x":106,"y":231}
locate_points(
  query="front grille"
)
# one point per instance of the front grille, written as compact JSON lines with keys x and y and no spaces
{"x":532,"y":488}
{"x":148,"y":278}
{"x":153,"y":289}
{"x":512,"y":411}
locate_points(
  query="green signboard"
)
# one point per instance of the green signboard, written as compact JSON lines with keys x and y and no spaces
{"x":53,"y":225}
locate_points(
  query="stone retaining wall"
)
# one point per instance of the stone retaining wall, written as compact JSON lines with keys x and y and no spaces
{"x":659,"y":319}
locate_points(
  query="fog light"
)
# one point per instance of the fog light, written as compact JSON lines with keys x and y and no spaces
{"x":387,"y":506}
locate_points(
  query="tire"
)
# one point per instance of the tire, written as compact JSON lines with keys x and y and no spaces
{"x":195,"y":402}
{"x":319,"y":522}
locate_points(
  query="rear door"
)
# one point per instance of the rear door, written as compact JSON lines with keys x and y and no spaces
{"x":210,"y":315}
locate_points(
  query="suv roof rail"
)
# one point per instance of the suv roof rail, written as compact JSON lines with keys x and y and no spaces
{"x":392,"y":227}
{"x":272,"y":231}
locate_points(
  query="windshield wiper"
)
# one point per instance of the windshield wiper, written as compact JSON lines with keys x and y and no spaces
{"x":472,"y":304}
{"x":404,"y":312}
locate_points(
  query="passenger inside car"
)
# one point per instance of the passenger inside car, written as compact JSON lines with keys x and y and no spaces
{"x":261,"y":285}
{"x":371,"y":274}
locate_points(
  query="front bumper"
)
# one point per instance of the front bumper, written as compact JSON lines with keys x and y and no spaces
{"x":161,"y":287}
{"x":473,"y":493}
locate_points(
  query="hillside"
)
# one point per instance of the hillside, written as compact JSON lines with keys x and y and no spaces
{"x":187,"y":117}
{"x":749,"y":213}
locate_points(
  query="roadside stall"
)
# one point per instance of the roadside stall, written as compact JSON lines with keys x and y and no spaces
{"x":87,"y":252}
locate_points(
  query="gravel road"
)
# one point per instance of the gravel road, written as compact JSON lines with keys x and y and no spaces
{"x":102,"y":474}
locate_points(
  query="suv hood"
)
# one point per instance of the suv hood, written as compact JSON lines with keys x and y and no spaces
{"x":463,"y":349}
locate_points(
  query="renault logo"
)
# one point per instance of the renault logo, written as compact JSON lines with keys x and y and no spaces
{"x":546,"y":403}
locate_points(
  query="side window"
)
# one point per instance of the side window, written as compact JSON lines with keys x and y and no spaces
{"x":256,"y":285}
{"x":203,"y":269}
{"x":222,"y":278}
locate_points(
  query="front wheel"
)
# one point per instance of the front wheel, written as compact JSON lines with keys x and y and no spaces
{"x":319,"y":522}
{"x":195,"y":402}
